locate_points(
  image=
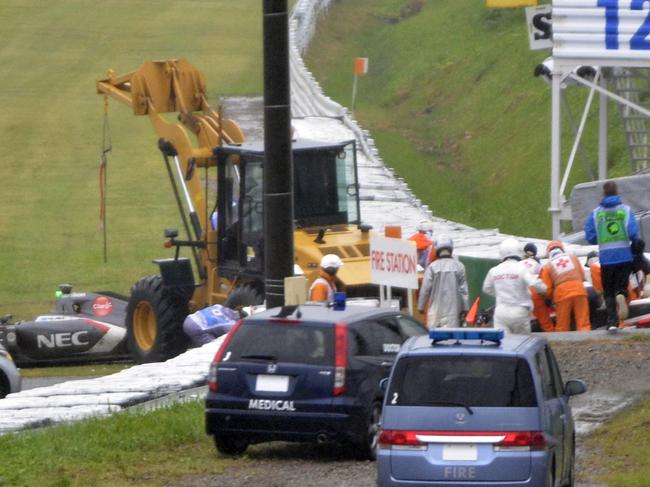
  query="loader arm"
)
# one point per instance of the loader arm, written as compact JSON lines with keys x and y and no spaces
{"x":176,"y":86}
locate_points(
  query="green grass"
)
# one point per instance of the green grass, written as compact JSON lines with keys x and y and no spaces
{"x":622,"y":446}
{"x":94,"y":370}
{"x":51,"y":126}
{"x":152,"y":449}
{"x":453,"y":105}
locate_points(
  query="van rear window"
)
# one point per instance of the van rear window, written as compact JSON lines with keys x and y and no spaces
{"x":472,"y":381}
{"x":280,"y":342}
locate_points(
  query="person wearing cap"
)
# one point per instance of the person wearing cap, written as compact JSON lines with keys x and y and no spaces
{"x":444,"y":292}
{"x":541,"y":310}
{"x":509,"y":282}
{"x":564,"y":279}
{"x":326,"y":284}
{"x":613,"y":226}
{"x":423,"y":241}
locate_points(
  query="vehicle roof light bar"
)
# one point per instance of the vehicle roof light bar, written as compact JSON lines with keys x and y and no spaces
{"x":458,"y":334}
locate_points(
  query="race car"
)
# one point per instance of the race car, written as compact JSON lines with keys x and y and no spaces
{"x":638,"y":314}
{"x":85,"y":327}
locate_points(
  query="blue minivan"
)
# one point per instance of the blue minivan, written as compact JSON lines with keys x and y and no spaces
{"x":475,"y":407}
{"x":310,"y":373}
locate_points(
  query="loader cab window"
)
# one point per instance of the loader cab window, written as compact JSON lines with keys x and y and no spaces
{"x":228,"y":210}
{"x":325,"y":186}
{"x":252,"y":216}
{"x":240,"y":199}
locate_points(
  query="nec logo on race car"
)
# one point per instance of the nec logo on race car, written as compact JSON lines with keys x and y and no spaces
{"x":271,"y":405}
{"x":59,"y":340}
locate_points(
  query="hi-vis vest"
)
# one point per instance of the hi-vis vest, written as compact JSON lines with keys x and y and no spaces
{"x":611,"y":227}
{"x":565,"y":268}
{"x":330,"y":288}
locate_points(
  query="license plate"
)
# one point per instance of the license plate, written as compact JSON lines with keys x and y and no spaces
{"x":459,"y":452}
{"x":272,"y":383}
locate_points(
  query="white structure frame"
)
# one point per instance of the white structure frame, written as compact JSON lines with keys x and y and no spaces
{"x":579,"y":40}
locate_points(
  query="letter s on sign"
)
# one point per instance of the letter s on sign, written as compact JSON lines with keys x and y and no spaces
{"x":542,"y":22}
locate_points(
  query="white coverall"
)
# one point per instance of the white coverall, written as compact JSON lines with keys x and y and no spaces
{"x":444,"y":287}
{"x":508,"y":282}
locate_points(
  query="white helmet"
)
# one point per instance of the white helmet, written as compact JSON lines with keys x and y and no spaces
{"x":331,"y":261}
{"x":510,"y":247}
{"x":444,"y":242}
{"x":425,"y":226}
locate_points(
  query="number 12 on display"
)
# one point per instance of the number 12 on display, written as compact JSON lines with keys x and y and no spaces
{"x":639,"y":40}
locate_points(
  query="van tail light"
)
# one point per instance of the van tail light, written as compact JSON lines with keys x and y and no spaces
{"x":502,"y":441}
{"x":522,"y":441}
{"x":340,"y":357}
{"x":212,"y":373}
{"x":400,"y":439}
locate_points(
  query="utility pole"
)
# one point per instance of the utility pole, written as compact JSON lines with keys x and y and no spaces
{"x":278,"y":164}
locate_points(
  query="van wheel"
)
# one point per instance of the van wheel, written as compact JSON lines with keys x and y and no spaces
{"x":229,"y":445}
{"x":572,"y":472}
{"x":550,"y":481}
{"x":367,"y":450}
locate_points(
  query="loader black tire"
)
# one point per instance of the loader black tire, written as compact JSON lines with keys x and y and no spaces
{"x":154,"y":321}
{"x":4,"y":386}
{"x":244,"y":295}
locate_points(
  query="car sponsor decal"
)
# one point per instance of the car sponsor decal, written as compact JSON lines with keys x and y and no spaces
{"x":62,"y":340}
{"x":102,"y":306}
{"x":55,"y":318}
{"x":271,"y":405}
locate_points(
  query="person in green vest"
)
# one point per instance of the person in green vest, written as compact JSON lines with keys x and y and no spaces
{"x":613,"y":226}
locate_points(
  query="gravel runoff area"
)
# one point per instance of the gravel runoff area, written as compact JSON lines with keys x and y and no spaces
{"x":613,"y":366}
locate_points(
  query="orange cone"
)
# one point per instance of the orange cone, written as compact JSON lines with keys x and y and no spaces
{"x":470,"y":317}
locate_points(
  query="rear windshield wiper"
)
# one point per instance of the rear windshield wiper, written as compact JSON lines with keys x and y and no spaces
{"x":268,"y":358}
{"x":448,"y":403}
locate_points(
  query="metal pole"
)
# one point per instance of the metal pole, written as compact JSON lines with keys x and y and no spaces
{"x":602,"y":131}
{"x":576,"y":142}
{"x":278,"y":165}
{"x":566,"y":107}
{"x":555,"y":155}
{"x":613,"y":96}
{"x":354,"y":92}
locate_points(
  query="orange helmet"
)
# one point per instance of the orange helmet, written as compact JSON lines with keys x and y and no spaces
{"x":554,"y":244}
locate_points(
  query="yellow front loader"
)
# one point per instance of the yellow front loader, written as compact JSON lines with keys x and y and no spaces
{"x":217,"y":180}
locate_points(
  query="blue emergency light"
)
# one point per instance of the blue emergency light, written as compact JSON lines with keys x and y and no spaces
{"x":339,"y":301}
{"x":458,"y":334}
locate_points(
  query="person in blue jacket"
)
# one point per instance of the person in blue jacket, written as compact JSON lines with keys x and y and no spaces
{"x":209,"y":323}
{"x":613,"y":226}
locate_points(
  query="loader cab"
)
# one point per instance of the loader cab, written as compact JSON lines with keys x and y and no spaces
{"x":326,"y":194}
